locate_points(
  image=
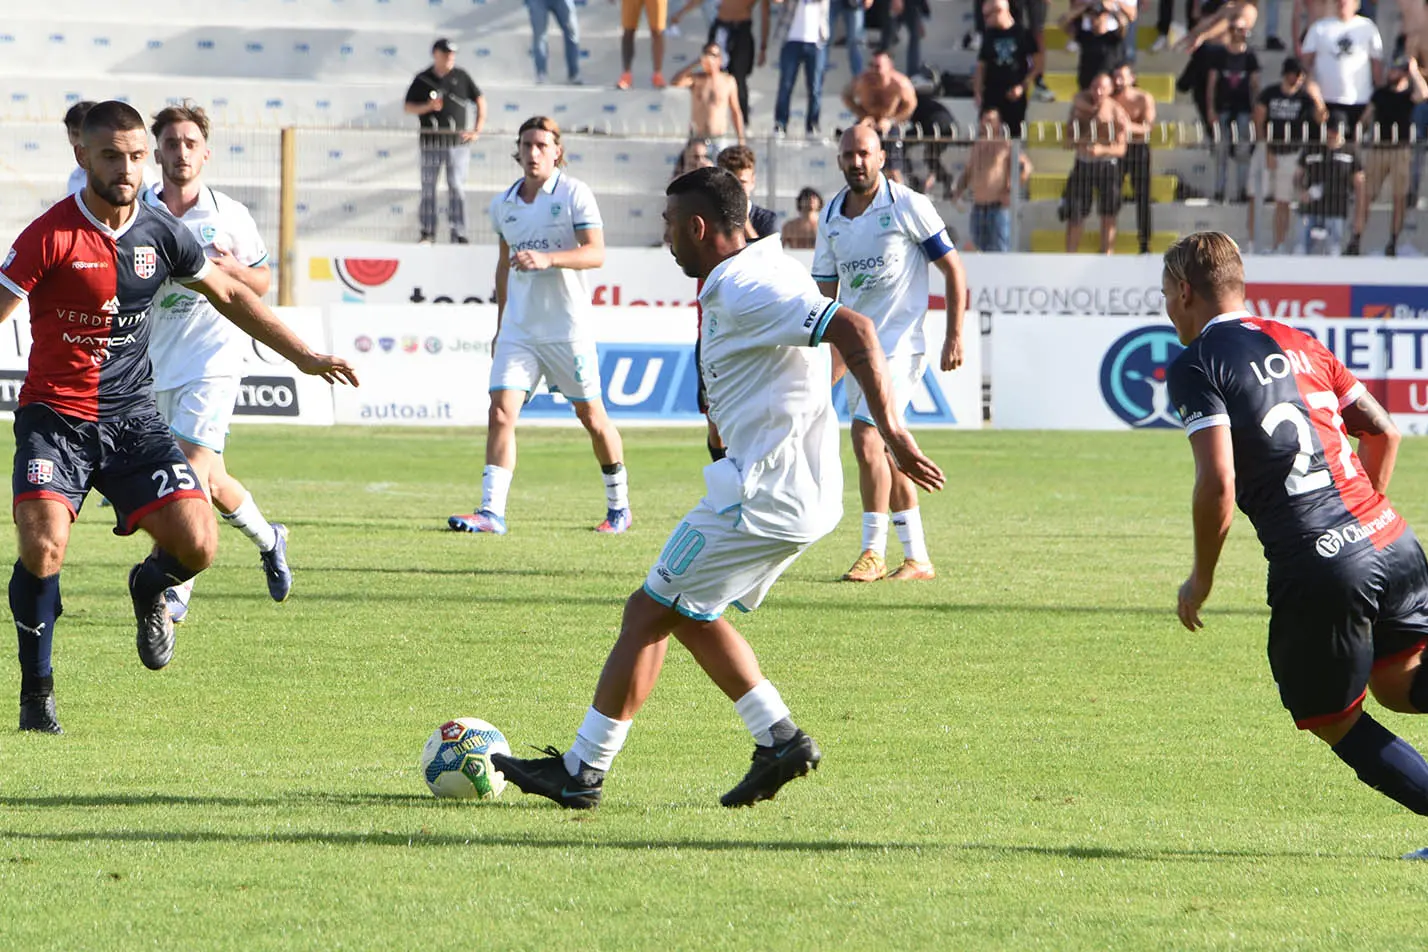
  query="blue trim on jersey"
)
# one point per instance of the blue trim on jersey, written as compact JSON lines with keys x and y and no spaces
{"x":260,"y":262}
{"x":588,"y":225}
{"x":521,"y":389}
{"x":579,"y":399}
{"x":511,"y":192}
{"x":816,"y":338}
{"x":196,"y":442}
{"x":860,"y":418}
{"x":674,"y":603}
{"x":741,"y":606}
{"x":834,"y":205}
{"x":825,"y":277}
{"x":937,"y":246}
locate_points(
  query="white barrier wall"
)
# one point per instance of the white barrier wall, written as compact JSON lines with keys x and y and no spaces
{"x":1106,"y":373}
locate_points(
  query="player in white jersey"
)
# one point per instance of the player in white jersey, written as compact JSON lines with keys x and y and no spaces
{"x":550,"y":232}
{"x":197,"y":353}
{"x":875,"y":241}
{"x":777,"y":491}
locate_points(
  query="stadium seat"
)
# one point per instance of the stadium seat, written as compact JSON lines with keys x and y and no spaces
{"x":1052,"y":241}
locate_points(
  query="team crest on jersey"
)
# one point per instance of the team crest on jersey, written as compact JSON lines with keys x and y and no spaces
{"x":146,"y":262}
{"x":207,"y":233}
{"x":555,"y":209}
{"x":1135,"y":377}
{"x":884,"y":221}
{"x":40,"y":471}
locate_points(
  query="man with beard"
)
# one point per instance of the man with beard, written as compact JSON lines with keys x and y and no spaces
{"x":89,"y":269}
{"x":778,"y":491}
{"x":875,"y":241}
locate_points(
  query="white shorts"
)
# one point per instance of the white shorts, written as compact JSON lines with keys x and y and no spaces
{"x":1281,"y":177}
{"x":907,"y":371}
{"x":200,"y":411}
{"x":708,"y":565}
{"x":571,"y":367}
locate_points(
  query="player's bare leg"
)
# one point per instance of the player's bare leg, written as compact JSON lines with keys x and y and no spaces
{"x":627,"y":59}
{"x":610,"y":454}
{"x":235,"y":504}
{"x":875,"y":487}
{"x":43,"y":529}
{"x":657,"y":54}
{"x":500,"y":469}
{"x":185,"y":542}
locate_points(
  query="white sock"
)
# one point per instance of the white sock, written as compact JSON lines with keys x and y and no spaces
{"x":875,"y":532}
{"x":617,"y":488}
{"x":761,"y":709}
{"x":597,"y":742}
{"x":909,"y":533}
{"x":252,"y":523}
{"x":183,"y":592}
{"x":495,"y":487}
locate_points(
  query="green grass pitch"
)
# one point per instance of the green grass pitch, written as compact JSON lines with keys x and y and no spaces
{"x":1028,"y":753}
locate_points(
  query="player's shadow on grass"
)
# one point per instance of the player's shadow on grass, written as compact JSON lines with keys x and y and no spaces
{"x":408,"y":840}
{"x":299,"y":799}
{"x":475,"y":570}
{"x":882,"y":608}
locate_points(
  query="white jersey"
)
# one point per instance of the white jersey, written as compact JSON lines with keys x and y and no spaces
{"x":880,"y":259}
{"x":770,"y":394}
{"x":79,"y":178}
{"x":552,"y":305}
{"x":189,"y":338}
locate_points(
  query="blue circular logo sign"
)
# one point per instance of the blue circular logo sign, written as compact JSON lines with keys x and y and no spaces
{"x":1134,"y":377}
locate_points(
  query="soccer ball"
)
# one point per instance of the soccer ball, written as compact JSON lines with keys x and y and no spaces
{"x":456,"y":760}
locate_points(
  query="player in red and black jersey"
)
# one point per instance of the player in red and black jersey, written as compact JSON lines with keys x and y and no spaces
{"x":1269,"y":412}
{"x":89,"y":268}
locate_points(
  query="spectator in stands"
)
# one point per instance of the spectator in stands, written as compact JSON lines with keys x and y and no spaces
{"x":713,"y":96}
{"x":801,"y":231}
{"x":1287,"y":116}
{"x":564,"y":12}
{"x":990,"y":178}
{"x":1096,"y":129}
{"x":932,"y":125}
{"x":1165,"y":21}
{"x":1008,"y":65}
{"x":738,"y":160}
{"x":442,"y":96}
{"x":1303,"y":15}
{"x":1232,"y":86}
{"x":803,"y":30}
{"x":1097,"y":28}
{"x":1387,"y":133}
{"x":884,"y":99}
{"x":852,"y":13}
{"x":694,"y":155}
{"x":656,"y":12}
{"x":1327,"y":177}
{"x":909,"y":14}
{"x":1344,"y":55}
{"x":733,"y":31}
{"x":1139,"y":107}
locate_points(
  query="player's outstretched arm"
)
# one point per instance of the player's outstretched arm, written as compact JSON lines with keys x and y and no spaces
{"x":9,"y":300}
{"x":1378,"y":438}
{"x":856,"y":340}
{"x":234,"y":301}
{"x":1212,"y":509}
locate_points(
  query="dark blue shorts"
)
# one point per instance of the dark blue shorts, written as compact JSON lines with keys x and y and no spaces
{"x":1332,"y":621}
{"x":134,"y":462}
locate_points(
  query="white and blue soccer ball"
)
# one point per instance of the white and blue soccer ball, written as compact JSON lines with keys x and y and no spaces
{"x":456,"y":760}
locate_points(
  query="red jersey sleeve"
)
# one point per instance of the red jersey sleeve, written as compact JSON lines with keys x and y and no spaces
{"x":28,"y":260}
{"x":1341,"y":379}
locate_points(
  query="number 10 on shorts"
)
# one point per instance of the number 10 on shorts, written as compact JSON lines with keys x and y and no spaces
{"x":681,"y":549}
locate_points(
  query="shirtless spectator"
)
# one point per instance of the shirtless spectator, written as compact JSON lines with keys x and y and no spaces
{"x":713,"y":96}
{"x":733,"y":32}
{"x":1140,"y":114}
{"x":883,"y":98}
{"x":694,"y":155}
{"x":988,"y":175}
{"x":1097,"y":130}
{"x":801,"y":231}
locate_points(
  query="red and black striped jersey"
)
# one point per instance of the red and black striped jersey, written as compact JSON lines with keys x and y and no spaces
{"x":1297,"y":477}
{"x":89,"y":289}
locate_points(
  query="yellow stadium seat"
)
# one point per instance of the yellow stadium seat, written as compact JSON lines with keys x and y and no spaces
{"x":1051,"y":241}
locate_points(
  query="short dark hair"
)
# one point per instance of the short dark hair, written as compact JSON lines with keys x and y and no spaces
{"x":736,"y":158}
{"x":188,"y":111}
{"x":718,"y":196}
{"x":74,"y":117}
{"x":112,"y":116}
{"x":808,"y":192}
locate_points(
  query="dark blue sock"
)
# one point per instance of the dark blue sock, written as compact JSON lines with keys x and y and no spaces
{"x":158,"y":572}
{"x":35,"y":603}
{"x":1386,"y":762}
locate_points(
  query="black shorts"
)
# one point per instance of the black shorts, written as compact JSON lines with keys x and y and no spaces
{"x":134,"y":462}
{"x":1331,"y":622}
{"x":1103,"y":176}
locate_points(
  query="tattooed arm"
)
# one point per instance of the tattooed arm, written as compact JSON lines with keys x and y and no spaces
{"x":855,"y":338}
{"x":1378,"y":438}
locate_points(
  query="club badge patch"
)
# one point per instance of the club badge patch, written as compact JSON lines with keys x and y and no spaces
{"x":39,"y":472}
{"x":146,"y":262}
